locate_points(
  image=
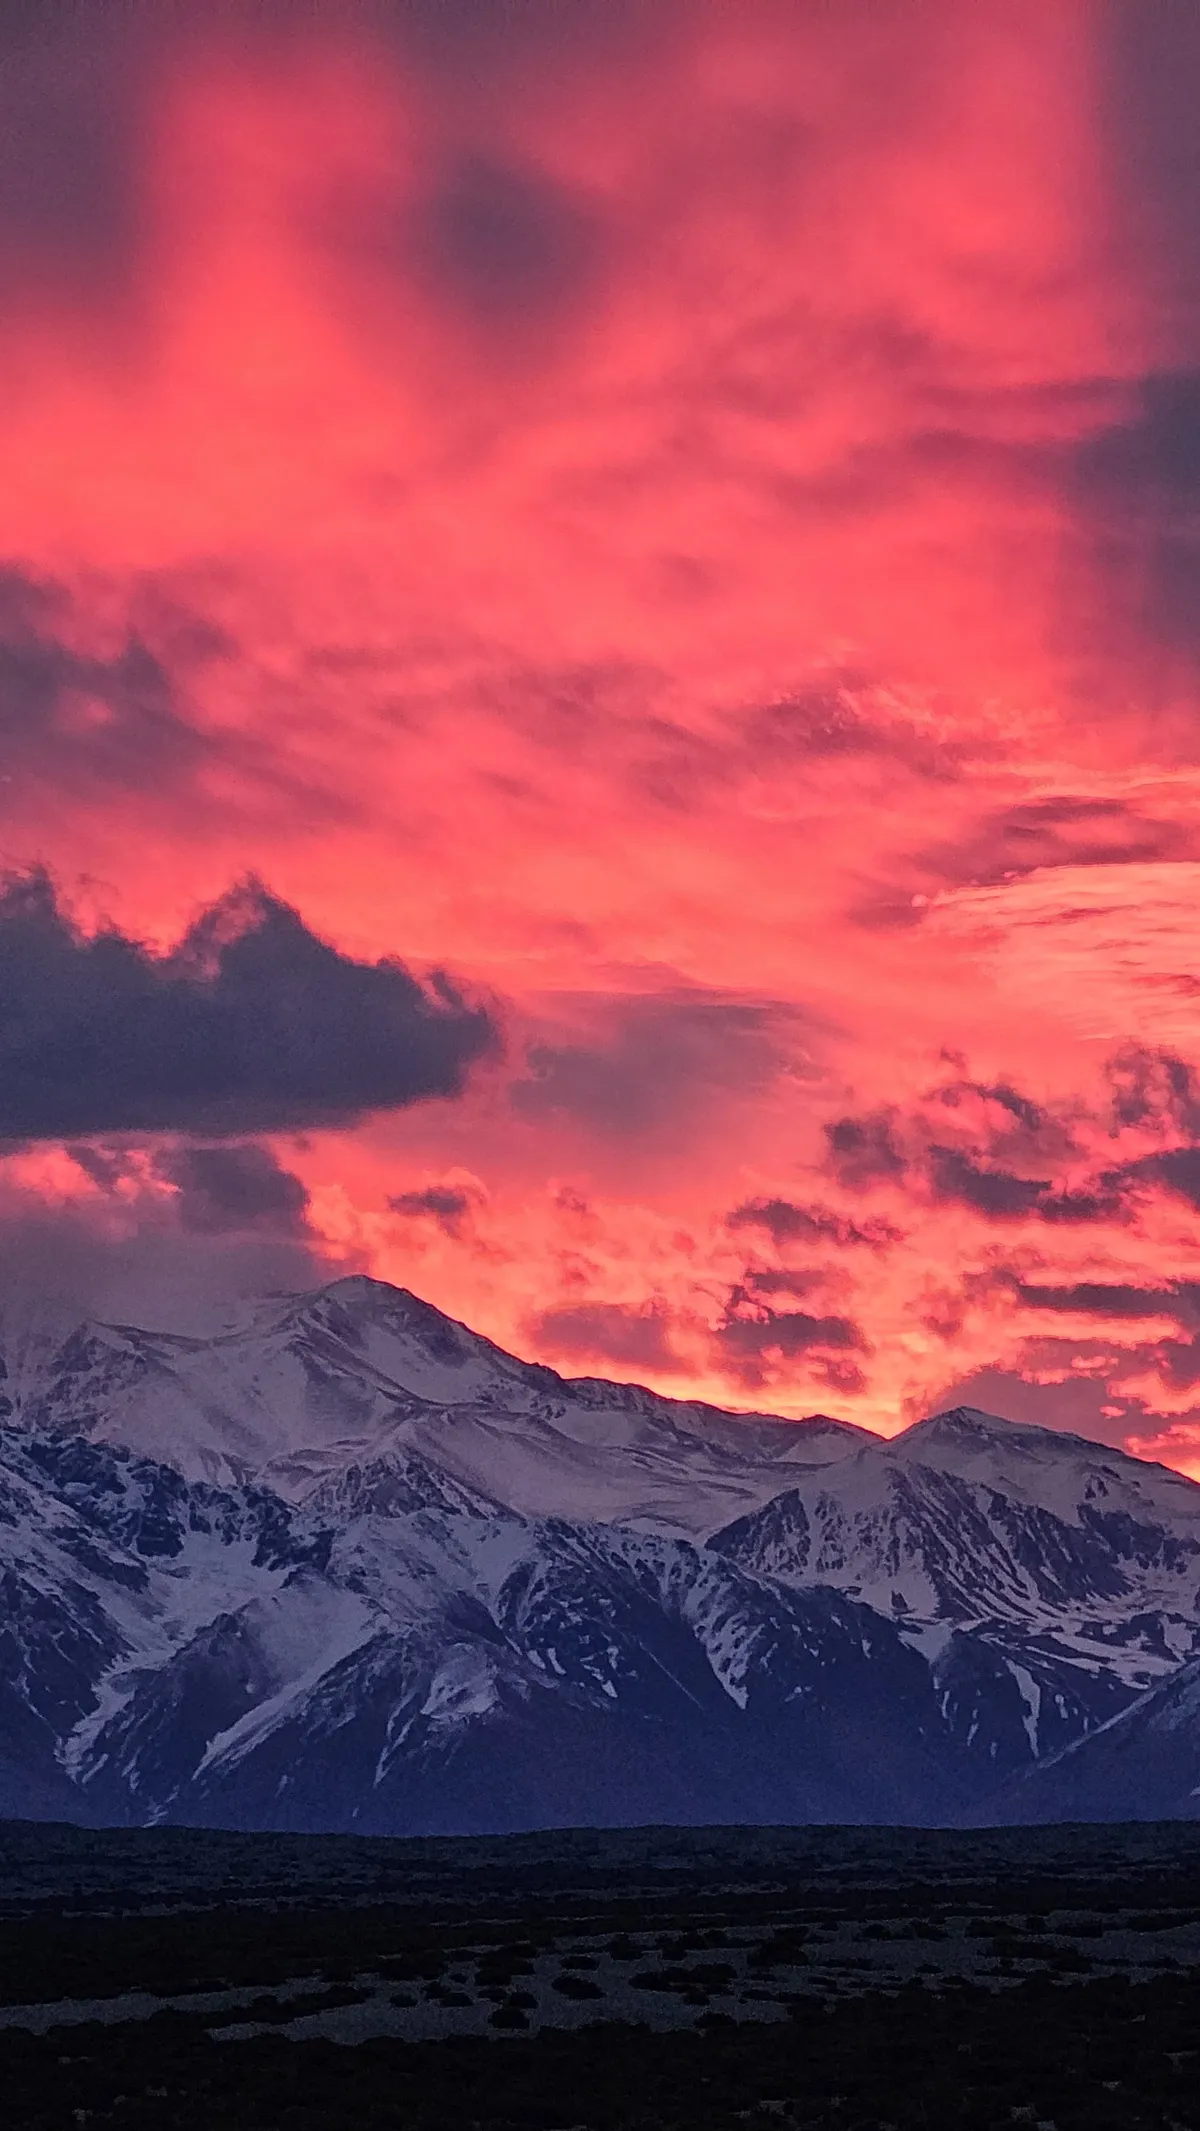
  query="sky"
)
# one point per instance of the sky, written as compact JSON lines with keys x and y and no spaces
{"x":600,"y":685}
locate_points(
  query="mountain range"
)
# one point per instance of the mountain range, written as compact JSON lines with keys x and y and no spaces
{"x":351,"y":1566}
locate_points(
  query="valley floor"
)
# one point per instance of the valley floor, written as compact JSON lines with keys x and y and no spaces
{"x":712,"y":1977}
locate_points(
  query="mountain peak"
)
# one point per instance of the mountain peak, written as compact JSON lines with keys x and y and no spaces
{"x":367,"y":1292}
{"x":361,"y":1296}
{"x":1039,"y":1464}
{"x":968,"y":1428}
{"x":358,"y":1305}
{"x":964,"y":1420}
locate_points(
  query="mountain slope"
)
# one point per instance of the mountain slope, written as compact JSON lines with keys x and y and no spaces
{"x":1144,"y":1765}
{"x":173,"y":1650}
{"x":549,"y":1677}
{"x":1047,"y":1579}
{"x":965,"y":1518}
{"x":378,"y":1614}
{"x":107,"y":1564}
{"x":316,"y":1383}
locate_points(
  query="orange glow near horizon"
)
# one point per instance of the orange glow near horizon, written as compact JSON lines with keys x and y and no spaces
{"x":692,"y":529}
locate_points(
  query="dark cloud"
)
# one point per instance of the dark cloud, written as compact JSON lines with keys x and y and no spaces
{"x":617,"y":714}
{"x":956,"y":1093}
{"x":94,"y":704}
{"x":139,"y":1266}
{"x":1119,"y":1299}
{"x":1151,"y":56}
{"x":1059,"y":831}
{"x":1007,"y":1159}
{"x":814,"y":721}
{"x":1103,"y":1200}
{"x":1001,"y":1195}
{"x":251,"y":1024}
{"x":1178,"y":1170}
{"x":753,"y":1336}
{"x":1176,"y":1361}
{"x":842,"y":721}
{"x":656,"y":1058}
{"x":840,"y":1374}
{"x":864,"y":1151}
{"x":787,"y":1223}
{"x":505,"y":246}
{"x":679,"y":767}
{"x":1151,"y":461}
{"x":234,"y":1189}
{"x":954,"y":1175}
{"x":757,"y":1282}
{"x":1008,"y":1154}
{"x":81,"y":718}
{"x":1152,"y":1088}
{"x":480,"y":40}
{"x":608,"y":1331}
{"x":1137,"y":488}
{"x":70,"y":191}
{"x":676,"y":768}
{"x":173,"y":1235}
{"x":446,"y":1204}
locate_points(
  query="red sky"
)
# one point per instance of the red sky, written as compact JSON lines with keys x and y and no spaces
{"x":687,"y":519}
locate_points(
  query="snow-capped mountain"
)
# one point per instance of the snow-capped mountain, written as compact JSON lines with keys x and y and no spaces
{"x":349,"y":1565}
{"x":176,"y":1650}
{"x":108,"y":1565}
{"x":316,"y":1383}
{"x":1046,"y":1578}
{"x":964,"y":1517}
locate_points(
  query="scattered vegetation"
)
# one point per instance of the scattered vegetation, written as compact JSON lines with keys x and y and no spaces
{"x":1017,"y":2019}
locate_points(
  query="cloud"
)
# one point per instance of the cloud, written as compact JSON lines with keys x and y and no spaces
{"x":252,"y":1023}
{"x":847,"y":720}
{"x":608,"y":1332}
{"x":234,"y":1189}
{"x":788,"y":1223}
{"x":658,"y":1057}
{"x":957,"y":1094}
{"x":1153,"y":458}
{"x":71,"y":219}
{"x":759,"y":1281}
{"x":505,"y":246}
{"x":1014,"y":1159}
{"x":473,"y":39}
{"x":1137,"y":483}
{"x":449,"y":1203}
{"x":1000,"y":1195}
{"x":1115,"y":1299}
{"x":798,"y":736}
{"x":144,"y":1249}
{"x":764,"y":598}
{"x":100,"y":691}
{"x":1064,"y":830}
{"x":863,"y":1150}
{"x":83,"y":717}
{"x":444,"y":1203}
{"x":990,"y":1191}
{"x":756,"y":1341}
{"x":1175,"y":1442}
{"x":54,"y":1265}
{"x":1149,"y":58}
{"x":1178,"y":1169}
{"x":1152,"y":1088}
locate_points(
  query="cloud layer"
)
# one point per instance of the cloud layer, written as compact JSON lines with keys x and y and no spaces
{"x":251,"y":1023}
{"x":687,"y":516}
